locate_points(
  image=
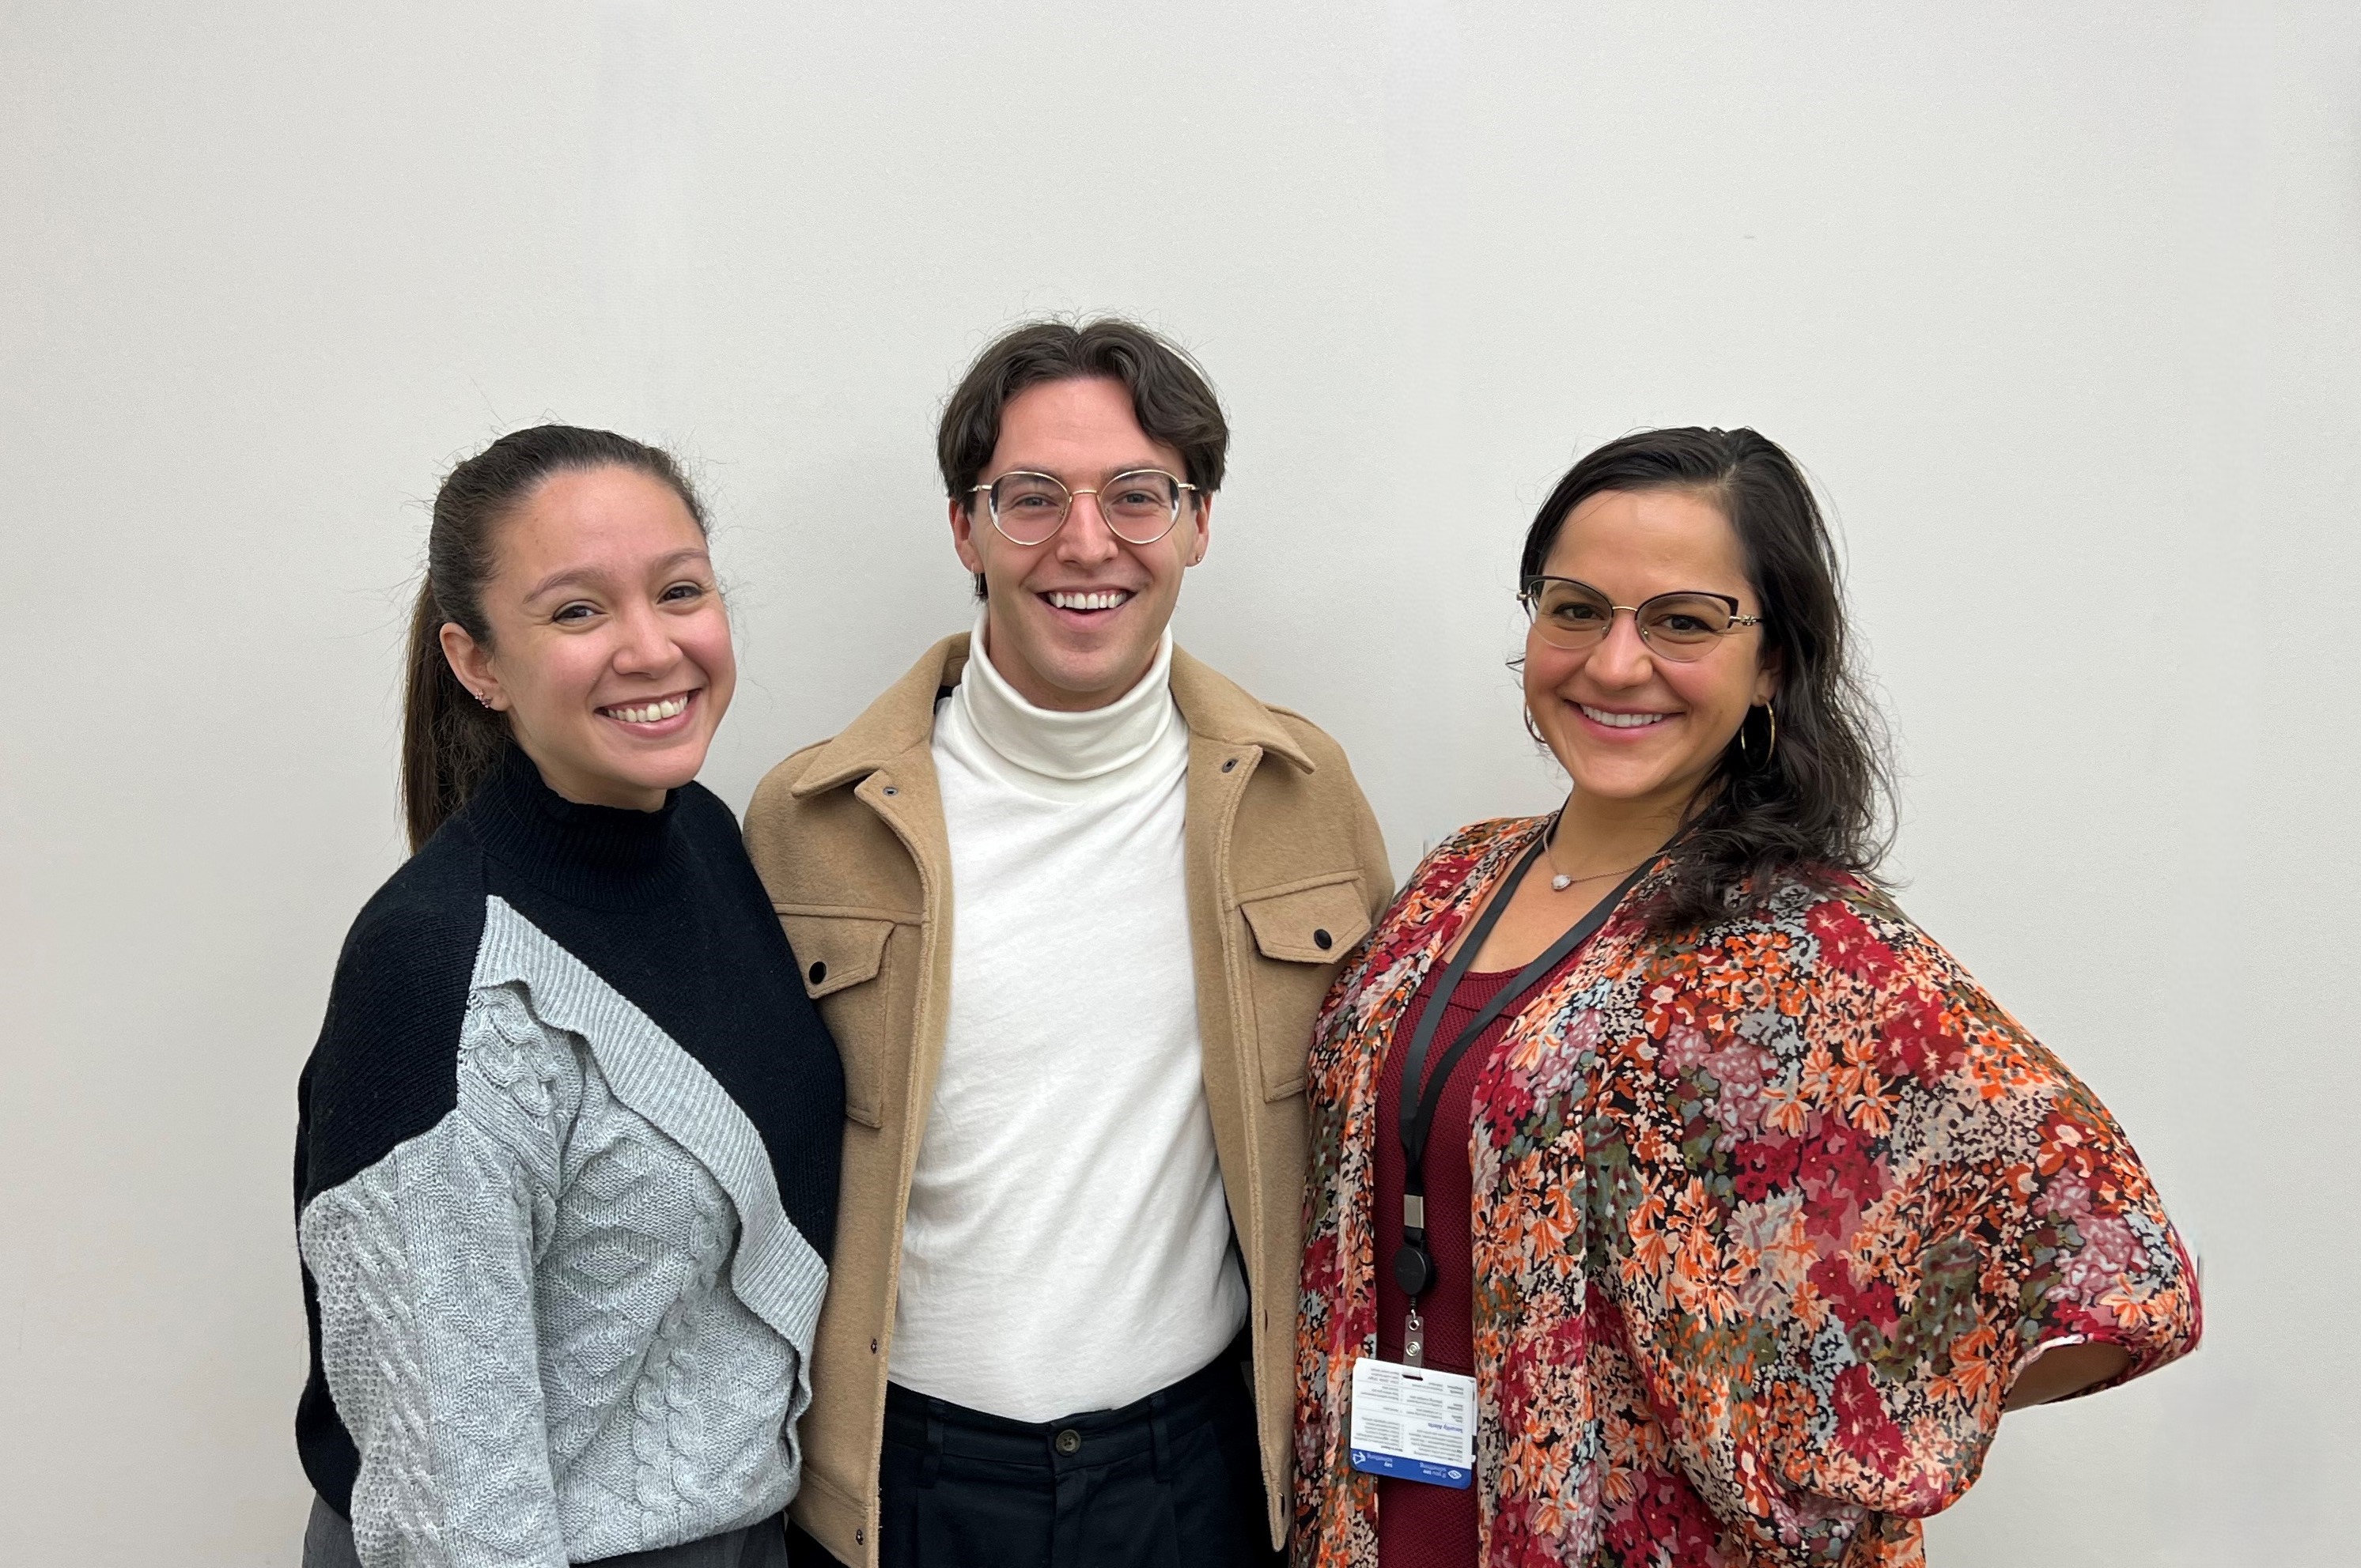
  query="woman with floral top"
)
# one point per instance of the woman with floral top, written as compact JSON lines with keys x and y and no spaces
{"x":1740,"y":1212}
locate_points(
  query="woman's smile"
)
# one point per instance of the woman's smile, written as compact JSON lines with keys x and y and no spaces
{"x":655,"y":717}
{"x":1619,"y":722}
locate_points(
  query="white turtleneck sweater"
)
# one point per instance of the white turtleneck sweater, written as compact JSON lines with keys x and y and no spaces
{"x":1068,"y":1244}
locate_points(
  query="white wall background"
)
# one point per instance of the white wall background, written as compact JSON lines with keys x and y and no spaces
{"x":2060,"y":304}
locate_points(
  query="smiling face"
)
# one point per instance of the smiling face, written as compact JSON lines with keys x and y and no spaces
{"x":610,"y":647}
{"x":1627,"y":724}
{"x":1073,"y":622}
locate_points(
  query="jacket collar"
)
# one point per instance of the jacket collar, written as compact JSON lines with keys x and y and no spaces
{"x":902,"y":720}
{"x":1219,"y":710}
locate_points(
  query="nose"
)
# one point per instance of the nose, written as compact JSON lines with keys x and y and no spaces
{"x":1621,"y":657}
{"x":1086,"y":539}
{"x":643,"y":644}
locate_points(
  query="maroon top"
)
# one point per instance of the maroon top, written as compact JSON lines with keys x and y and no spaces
{"x":1422,"y":1526}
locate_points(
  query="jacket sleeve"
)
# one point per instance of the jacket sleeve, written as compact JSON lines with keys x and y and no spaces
{"x":1896,"y":1200}
{"x":425,"y":1263}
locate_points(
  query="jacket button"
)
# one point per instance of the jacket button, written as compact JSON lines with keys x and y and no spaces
{"x":1320,"y":940}
{"x":819,"y":971}
{"x":890,"y":790}
{"x":1229,"y":763}
{"x":859,"y":1537}
{"x":872,"y":1347}
{"x":1069,"y":1441}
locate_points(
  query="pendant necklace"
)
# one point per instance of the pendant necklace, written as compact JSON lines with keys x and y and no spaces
{"x":1559,"y":881}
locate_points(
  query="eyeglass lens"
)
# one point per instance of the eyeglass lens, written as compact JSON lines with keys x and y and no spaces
{"x":1678,"y":626}
{"x":1139,"y":507}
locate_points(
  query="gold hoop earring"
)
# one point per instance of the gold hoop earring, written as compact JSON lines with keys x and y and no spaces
{"x":1526,"y":713}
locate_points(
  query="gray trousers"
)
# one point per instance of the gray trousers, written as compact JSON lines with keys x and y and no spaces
{"x":328,"y":1543}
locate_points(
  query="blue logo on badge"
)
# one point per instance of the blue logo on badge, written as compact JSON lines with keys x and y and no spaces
{"x":1377,"y":1461}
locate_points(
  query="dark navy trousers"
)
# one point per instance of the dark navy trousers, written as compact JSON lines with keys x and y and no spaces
{"x":1171,"y":1481}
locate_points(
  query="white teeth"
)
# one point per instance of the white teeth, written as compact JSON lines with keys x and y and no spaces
{"x":649,"y":713}
{"x":1620,"y":721}
{"x":1088,"y":601}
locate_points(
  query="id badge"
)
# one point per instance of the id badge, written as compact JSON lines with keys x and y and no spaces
{"x":1414,"y":1422}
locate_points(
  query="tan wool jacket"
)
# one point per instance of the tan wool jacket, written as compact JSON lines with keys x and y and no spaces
{"x":1286,"y":872}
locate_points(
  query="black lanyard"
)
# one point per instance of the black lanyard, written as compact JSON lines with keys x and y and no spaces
{"x":1414,"y":1264}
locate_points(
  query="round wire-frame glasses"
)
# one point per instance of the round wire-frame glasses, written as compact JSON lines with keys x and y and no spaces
{"x":1140,"y":504}
{"x":1681,"y":626}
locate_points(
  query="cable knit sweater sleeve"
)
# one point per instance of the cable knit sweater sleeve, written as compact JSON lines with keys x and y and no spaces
{"x":424,"y":1265}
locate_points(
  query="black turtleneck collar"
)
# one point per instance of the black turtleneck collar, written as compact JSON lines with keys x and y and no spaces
{"x":603,"y":857}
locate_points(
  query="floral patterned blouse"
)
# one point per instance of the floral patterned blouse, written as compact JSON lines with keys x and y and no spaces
{"x":1767,"y":1219}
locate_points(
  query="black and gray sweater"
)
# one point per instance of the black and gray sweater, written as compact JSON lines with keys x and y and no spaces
{"x":566,"y":1178}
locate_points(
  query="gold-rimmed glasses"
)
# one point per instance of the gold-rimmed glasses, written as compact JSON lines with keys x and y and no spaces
{"x":1140,"y":504}
{"x":1683,"y":626}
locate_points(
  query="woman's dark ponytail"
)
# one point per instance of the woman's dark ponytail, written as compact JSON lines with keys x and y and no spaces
{"x":450,"y":741}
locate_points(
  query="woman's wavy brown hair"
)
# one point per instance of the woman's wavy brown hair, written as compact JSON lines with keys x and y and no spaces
{"x":1819,"y":802}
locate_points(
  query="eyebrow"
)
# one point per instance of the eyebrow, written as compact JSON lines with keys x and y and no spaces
{"x":572,"y":574}
{"x":1117,"y":470}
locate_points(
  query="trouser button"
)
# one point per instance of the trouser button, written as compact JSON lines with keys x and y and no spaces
{"x":1070,"y":1443}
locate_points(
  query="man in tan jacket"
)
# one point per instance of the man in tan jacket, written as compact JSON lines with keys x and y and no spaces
{"x":1068,"y":899}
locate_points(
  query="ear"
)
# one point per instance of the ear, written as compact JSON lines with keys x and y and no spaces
{"x":1200,"y":526}
{"x":963,"y":534}
{"x":472,"y":662}
{"x":1768,"y":671}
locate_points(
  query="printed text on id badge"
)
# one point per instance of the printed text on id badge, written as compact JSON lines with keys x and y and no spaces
{"x":1414,"y":1422}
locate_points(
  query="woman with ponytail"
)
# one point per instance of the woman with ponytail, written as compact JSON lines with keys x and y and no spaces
{"x":1675,"y":1199}
{"x":565,"y":1160}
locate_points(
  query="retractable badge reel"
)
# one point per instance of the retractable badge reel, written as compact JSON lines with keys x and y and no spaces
{"x":1414,"y":1272}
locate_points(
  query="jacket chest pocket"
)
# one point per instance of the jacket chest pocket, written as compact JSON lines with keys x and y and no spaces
{"x":1301,"y":932}
{"x":851,"y":967}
